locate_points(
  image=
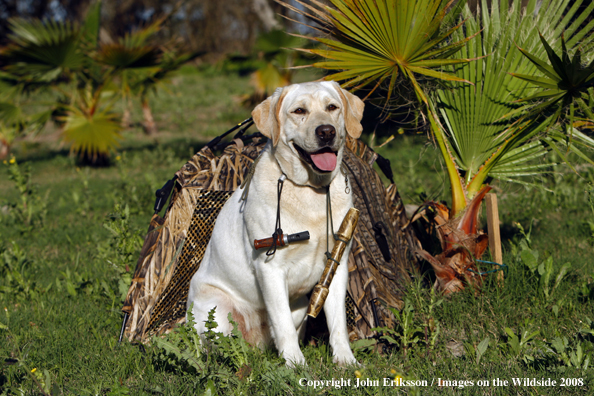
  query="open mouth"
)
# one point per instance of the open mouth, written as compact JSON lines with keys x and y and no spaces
{"x":323,"y":160}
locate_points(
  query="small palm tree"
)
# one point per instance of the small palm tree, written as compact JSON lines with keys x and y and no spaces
{"x":55,"y":55}
{"x":70,"y":60}
{"x":128,"y":56}
{"x":483,"y":146}
{"x":381,"y":40}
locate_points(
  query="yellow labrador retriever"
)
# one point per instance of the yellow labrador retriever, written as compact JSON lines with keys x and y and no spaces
{"x":306,"y":125}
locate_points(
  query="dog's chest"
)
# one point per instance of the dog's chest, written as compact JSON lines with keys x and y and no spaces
{"x":304,"y":262}
{"x":301,"y":209}
{"x":302,"y":275}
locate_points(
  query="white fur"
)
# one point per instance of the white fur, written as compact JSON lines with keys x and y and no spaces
{"x":267,"y":295}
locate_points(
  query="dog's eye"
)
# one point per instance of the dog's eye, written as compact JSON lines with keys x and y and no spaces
{"x":299,"y":111}
{"x":332,"y":107}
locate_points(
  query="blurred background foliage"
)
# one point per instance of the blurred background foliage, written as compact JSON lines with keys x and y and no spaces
{"x":208,"y":26}
{"x":89,"y":66}
{"x":83,"y":66}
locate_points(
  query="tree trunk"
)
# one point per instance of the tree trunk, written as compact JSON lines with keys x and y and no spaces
{"x":149,"y":126}
{"x":126,"y":118}
{"x":4,"y":149}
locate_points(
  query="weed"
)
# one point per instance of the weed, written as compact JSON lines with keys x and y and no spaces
{"x":82,"y":198}
{"x":30,"y":211}
{"x":574,"y":354}
{"x":184,"y":343}
{"x":545,"y":270}
{"x":481,"y":349}
{"x":407,"y":332}
{"x":123,"y":248}
{"x":15,"y":268}
{"x":228,"y":362}
{"x":216,"y":357}
{"x":522,"y":346}
{"x":426,"y":309}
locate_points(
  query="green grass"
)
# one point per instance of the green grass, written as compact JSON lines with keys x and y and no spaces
{"x":62,"y":277}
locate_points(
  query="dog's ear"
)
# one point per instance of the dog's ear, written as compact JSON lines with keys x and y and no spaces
{"x":353,"y":112}
{"x":266,"y":115}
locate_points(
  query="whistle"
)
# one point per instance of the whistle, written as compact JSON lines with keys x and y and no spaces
{"x":343,"y":236}
{"x":281,"y":240}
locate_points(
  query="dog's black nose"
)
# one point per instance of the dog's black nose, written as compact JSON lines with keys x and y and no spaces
{"x":326,"y":133}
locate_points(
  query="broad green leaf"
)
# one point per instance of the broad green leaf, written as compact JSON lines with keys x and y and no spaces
{"x":94,"y":135}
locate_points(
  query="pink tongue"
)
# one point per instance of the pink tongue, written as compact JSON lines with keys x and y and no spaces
{"x":324,"y":161}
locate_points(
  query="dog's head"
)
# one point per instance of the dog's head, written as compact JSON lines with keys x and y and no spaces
{"x":307,"y":124}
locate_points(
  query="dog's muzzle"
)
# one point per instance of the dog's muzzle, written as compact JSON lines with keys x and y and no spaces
{"x":322,"y":161}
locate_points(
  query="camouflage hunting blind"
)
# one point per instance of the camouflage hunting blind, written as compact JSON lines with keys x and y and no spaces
{"x":381,"y":257}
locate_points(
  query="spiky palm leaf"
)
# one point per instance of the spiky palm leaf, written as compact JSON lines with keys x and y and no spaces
{"x":119,"y":56}
{"x":92,"y":131}
{"x":565,"y":96}
{"x":482,"y":144}
{"x":377,"y":41}
{"x":132,"y":51}
{"x":42,"y":51}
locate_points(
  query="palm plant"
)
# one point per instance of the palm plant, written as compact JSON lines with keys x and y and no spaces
{"x":483,"y":146}
{"x":128,"y":56}
{"x":480,"y":144}
{"x":70,"y":60}
{"x":564,"y":99}
{"x":373,"y":43}
{"x":391,"y":41}
{"x":55,"y":55}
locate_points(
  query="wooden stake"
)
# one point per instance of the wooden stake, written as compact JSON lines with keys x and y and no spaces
{"x":494,"y":237}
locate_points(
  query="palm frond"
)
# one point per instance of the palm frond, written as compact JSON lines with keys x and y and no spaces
{"x":42,"y":51}
{"x":565,"y":82}
{"x":477,"y":118}
{"x":91,"y":134}
{"x":120,"y":56}
{"x":383,"y":40}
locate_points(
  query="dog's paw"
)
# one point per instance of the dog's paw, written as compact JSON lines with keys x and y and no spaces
{"x":346,"y":360}
{"x":294,"y":360}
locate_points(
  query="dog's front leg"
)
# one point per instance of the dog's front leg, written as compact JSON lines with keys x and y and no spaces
{"x":335,"y":311}
{"x":273,"y":284}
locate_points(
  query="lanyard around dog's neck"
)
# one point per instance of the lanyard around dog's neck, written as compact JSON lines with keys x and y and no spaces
{"x":278,"y":231}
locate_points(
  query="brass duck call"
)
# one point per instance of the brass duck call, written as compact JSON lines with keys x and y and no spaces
{"x":281,"y":240}
{"x":344,"y":235}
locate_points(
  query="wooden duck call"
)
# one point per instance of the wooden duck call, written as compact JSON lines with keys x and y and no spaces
{"x":281,"y":240}
{"x":344,"y":235}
